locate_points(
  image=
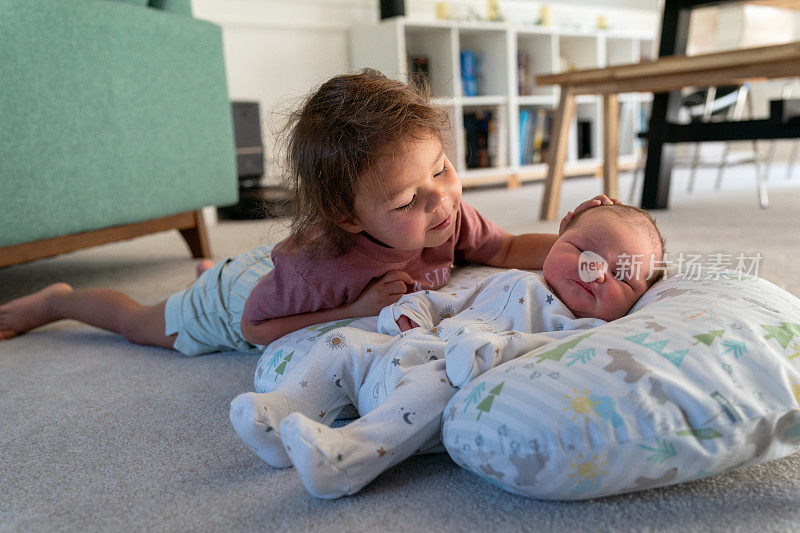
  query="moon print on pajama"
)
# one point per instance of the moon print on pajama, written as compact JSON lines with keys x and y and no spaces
{"x":399,"y":382}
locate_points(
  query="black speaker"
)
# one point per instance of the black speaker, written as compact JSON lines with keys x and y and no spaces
{"x":247,"y":134}
{"x":392,"y":8}
{"x":255,"y":199}
{"x":250,"y":165}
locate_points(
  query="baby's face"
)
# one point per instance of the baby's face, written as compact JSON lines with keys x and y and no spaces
{"x":599,"y":267}
{"x":418,"y":206}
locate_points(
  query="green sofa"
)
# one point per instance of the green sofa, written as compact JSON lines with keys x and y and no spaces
{"x":115,"y":123}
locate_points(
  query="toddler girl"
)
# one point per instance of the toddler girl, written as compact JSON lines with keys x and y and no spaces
{"x":378,"y":213}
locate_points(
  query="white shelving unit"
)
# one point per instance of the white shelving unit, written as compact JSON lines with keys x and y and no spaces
{"x":386,"y":46}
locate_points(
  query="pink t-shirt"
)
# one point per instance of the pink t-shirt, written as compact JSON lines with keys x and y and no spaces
{"x":302,"y":282}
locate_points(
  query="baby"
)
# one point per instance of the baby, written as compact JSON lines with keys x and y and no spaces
{"x":602,"y":263}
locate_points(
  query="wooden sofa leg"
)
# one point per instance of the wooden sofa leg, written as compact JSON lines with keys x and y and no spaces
{"x":196,"y":237}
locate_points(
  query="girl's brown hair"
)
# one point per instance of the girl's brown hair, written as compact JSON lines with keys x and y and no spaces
{"x":337,"y":140}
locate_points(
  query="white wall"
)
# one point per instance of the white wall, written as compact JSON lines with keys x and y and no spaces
{"x":278,"y":50}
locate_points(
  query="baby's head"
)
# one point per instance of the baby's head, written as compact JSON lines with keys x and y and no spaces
{"x":360,"y":151}
{"x":605,"y":260}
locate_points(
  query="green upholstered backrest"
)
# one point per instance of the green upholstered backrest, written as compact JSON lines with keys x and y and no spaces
{"x":111,"y":114}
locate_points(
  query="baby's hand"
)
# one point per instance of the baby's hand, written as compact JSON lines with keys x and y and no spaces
{"x":381,"y":292}
{"x":405,"y":323}
{"x":600,"y":199}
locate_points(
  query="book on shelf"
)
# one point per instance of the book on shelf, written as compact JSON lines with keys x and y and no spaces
{"x":542,"y":134}
{"x":484,"y":138}
{"x":535,"y":127}
{"x":523,"y":73}
{"x":469,"y":72}
{"x":476,"y":138}
{"x":524,"y":135}
{"x":419,"y":72}
{"x":498,"y":138}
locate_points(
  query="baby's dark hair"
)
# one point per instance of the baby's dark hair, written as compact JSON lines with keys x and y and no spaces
{"x":338,"y":140}
{"x":643,"y":221}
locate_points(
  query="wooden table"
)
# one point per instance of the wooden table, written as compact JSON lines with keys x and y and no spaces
{"x":662,"y":75}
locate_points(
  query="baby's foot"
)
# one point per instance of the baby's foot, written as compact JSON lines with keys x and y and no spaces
{"x":256,"y":418}
{"x":204,"y":265}
{"x":330,"y":465}
{"x":31,"y":311}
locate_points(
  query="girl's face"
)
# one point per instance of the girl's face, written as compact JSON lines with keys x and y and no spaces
{"x":599,"y":267}
{"x":418,"y":208}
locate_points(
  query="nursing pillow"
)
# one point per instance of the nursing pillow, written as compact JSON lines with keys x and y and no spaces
{"x":701,"y":377}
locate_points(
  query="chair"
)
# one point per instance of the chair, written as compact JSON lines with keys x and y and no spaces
{"x":715,"y":104}
{"x":786,"y":93}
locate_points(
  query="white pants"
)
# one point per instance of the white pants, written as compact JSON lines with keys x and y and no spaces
{"x":398,"y":384}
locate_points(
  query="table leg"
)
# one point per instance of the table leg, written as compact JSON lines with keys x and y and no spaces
{"x":660,"y":154}
{"x":557,"y":153}
{"x":665,"y":106}
{"x":610,"y":144}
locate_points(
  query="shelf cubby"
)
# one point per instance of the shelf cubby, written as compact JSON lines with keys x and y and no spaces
{"x":541,"y":52}
{"x":497,"y":145}
{"x":436,"y":45}
{"x":647,"y":50}
{"x":621,"y":51}
{"x":590,"y":112}
{"x":491,"y":51}
{"x":578,"y":52}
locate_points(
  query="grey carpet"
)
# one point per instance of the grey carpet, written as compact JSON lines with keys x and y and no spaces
{"x":99,"y":434}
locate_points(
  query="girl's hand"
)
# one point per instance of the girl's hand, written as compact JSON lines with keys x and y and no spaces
{"x":405,"y":323}
{"x":381,"y":292}
{"x":600,"y":199}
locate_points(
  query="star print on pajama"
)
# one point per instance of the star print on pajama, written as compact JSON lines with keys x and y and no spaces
{"x":399,"y":382}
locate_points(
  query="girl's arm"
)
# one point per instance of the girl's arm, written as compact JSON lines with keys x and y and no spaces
{"x":378,"y":294}
{"x":528,"y":251}
{"x":270,"y":330}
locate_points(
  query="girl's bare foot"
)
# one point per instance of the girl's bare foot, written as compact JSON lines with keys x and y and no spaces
{"x":204,"y":265}
{"x":31,"y":311}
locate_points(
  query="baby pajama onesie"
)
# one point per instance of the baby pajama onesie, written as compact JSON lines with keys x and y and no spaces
{"x":399,"y":382}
